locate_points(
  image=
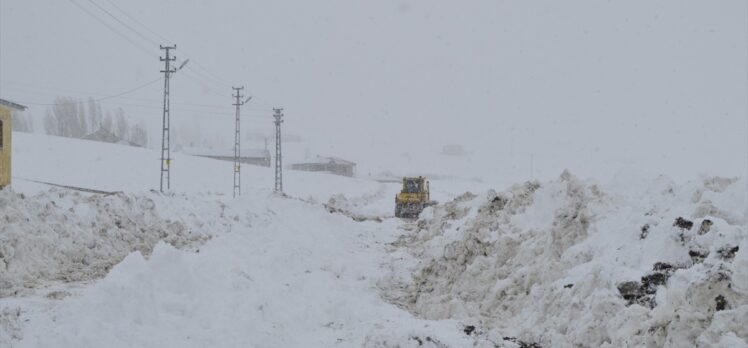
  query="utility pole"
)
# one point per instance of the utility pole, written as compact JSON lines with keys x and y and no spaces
{"x":165,"y":135}
{"x":237,"y":148}
{"x":278,"y":162}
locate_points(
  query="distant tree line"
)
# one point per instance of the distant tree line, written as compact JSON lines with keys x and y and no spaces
{"x":21,"y":123}
{"x":69,"y":117}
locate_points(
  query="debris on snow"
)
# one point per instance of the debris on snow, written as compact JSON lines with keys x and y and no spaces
{"x":721,"y":303}
{"x":683,"y":223}
{"x":469,"y":329}
{"x":502,"y":259}
{"x":706,"y":226}
{"x":644,"y":231}
{"x":728,"y":253}
{"x":522,"y":344}
{"x":698,"y":256}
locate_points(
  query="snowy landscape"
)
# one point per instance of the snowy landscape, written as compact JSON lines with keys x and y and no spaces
{"x":546,"y":263}
{"x":587,"y":170}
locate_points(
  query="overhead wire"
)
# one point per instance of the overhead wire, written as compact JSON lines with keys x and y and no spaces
{"x":204,"y":83}
{"x":199,"y":75}
{"x":211,"y":74}
{"x":136,"y":20}
{"x":152,"y":104}
{"x":55,"y":92}
{"x":104,"y":98}
{"x":204,"y":71}
{"x":208,"y":78}
{"x":137,"y":32}
{"x":184,"y":111}
{"x":123,"y":23}
{"x":138,"y":46}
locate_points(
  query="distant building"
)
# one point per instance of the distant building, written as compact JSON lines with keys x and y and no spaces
{"x":331,"y":165}
{"x":105,"y":136}
{"x":258,"y":157}
{"x":453,"y":150}
{"x":6,"y":133}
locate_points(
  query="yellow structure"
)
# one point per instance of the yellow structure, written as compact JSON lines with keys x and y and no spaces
{"x":414,"y":197}
{"x":6,"y":133}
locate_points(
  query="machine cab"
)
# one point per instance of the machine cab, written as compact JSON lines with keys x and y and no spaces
{"x":412,"y":185}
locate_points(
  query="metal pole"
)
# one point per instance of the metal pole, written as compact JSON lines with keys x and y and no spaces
{"x":278,"y":154}
{"x":166,"y":128}
{"x":237,"y":147}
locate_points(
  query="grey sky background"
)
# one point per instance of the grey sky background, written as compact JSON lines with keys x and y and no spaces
{"x":596,"y":87}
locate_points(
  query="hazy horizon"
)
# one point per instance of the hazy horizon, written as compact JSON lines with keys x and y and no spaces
{"x":594,"y":87}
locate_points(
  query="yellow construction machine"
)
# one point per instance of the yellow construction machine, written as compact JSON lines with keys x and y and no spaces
{"x":413,"y":198}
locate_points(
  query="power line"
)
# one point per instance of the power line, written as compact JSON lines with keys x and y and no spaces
{"x":206,"y":80}
{"x":205,"y":71}
{"x":136,"y":21}
{"x":103,"y":98}
{"x":55,"y":92}
{"x":196,"y":79}
{"x":198,"y":73}
{"x":146,"y":51}
{"x":130,"y":91}
{"x":211,"y":74}
{"x":48,"y":90}
{"x":123,"y":23}
{"x":184,"y":109}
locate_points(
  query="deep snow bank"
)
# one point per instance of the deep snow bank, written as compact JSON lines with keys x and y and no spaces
{"x":551,"y":263}
{"x":62,"y":235}
{"x":297,"y":276}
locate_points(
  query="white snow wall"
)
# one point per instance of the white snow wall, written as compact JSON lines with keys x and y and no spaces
{"x":63,"y":235}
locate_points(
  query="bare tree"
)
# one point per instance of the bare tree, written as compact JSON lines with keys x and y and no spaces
{"x":82,"y":125}
{"x":50,"y":123}
{"x":94,"y":115}
{"x":22,"y":123}
{"x":69,"y":117}
{"x":106,"y":123}
{"x":66,"y":118}
{"x":138,"y":135}
{"x":121,"y":124}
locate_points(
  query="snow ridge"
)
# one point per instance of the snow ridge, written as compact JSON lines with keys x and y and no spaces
{"x":63,"y":235}
{"x":543,"y":263}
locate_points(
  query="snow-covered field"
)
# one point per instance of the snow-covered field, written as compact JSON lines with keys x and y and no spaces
{"x":562,"y":263}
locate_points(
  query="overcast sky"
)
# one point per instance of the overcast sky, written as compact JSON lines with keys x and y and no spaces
{"x":593,"y":86}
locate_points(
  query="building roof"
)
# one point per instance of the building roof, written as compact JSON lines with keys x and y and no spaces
{"x":328,"y":160}
{"x":245,"y":152}
{"x":106,"y":136}
{"x":12,"y":105}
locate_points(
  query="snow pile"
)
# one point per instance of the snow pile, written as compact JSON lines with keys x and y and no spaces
{"x":565,"y":263}
{"x":374,"y":205}
{"x":62,"y":235}
{"x":297,"y":276}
